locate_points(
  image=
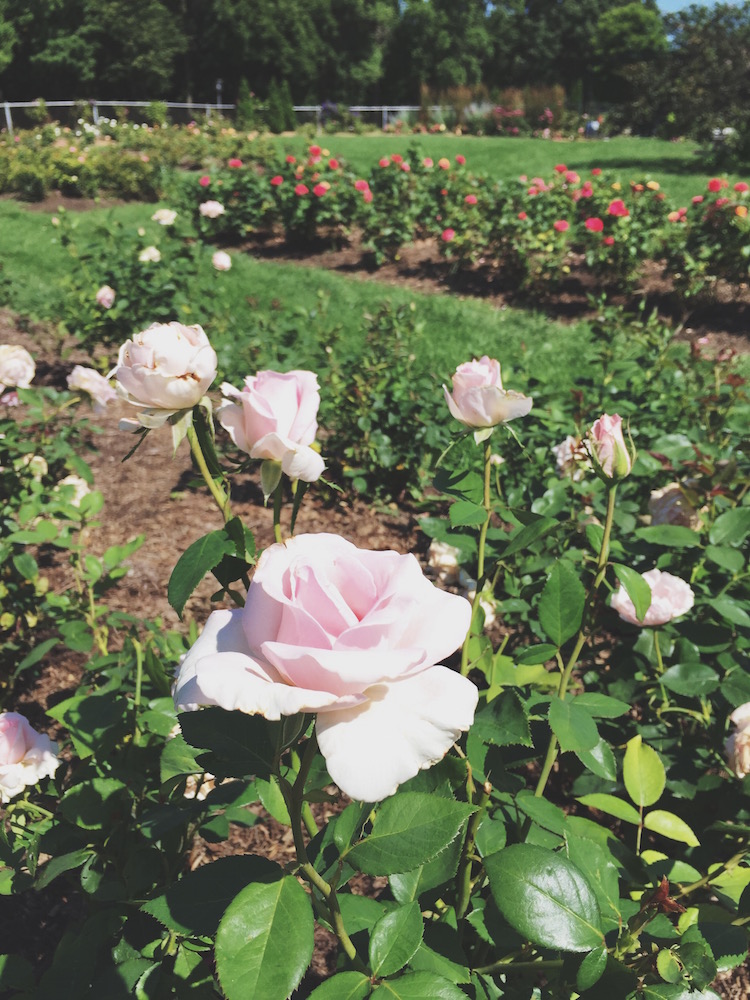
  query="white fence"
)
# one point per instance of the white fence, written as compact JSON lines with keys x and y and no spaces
{"x":384,"y":110}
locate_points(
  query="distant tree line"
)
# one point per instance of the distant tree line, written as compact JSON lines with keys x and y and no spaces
{"x":687,"y":71}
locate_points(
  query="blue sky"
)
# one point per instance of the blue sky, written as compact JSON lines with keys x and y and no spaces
{"x":669,"y":6}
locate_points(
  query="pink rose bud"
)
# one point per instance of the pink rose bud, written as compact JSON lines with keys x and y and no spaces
{"x":606,"y":445}
{"x":105,"y":297}
{"x":670,"y":598}
{"x":478,"y":398}
{"x":355,"y":637}
{"x":25,"y":755}
{"x":274,"y":417}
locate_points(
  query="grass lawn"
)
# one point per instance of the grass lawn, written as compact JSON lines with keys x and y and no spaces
{"x":678,"y":166}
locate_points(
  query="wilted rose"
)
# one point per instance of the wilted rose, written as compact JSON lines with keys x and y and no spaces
{"x":105,"y":297}
{"x":670,"y":598}
{"x":166,"y":368}
{"x":670,"y":505}
{"x":444,"y":561}
{"x":25,"y":755}
{"x":88,"y":380}
{"x":353,"y":636}
{"x":478,"y":398}
{"x":606,"y":446}
{"x":17,"y":367}
{"x":221,"y":261}
{"x":571,"y":458}
{"x":274,"y":417}
{"x":211,"y":209}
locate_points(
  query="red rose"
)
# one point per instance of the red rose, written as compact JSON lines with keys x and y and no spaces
{"x":595,"y":225}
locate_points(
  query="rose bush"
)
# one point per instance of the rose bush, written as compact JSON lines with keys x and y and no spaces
{"x":274,"y":417}
{"x":164,"y":369}
{"x":26,"y":756}
{"x":670,"y":598}
{"x":354,"y":636}
{"x":478,"y":398}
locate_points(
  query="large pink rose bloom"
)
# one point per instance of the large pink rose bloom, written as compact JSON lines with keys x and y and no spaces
{"x":670,"y":598}
{"x":25,"y":755}
{"x":478,"y":398}
{"x":274,"y":417}
{"x":354,"y":636}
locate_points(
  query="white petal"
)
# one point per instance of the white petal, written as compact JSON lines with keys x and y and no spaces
{"x":404,"y":727}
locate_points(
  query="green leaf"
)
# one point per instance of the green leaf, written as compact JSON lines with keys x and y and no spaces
{"x":572,"y":725}
{"x":16,"y":973}
{"x":504,"y":722}
{"x":636,"y":587}
{"x":409,"y":829}
{"x":602,"y":706}
{"x":441,"y":953}
{"x":591,"y":969}
{"x":561,"y":604}
{"x":197,"y":560}
{"x":96,"y":804}
{"x":464,"y":513}
{"x":670,"y":535}
{"x":60,"y":864}
{"x":544,"y":813}
{"x":669,"y":825}
{"x":238,"y":744}
{"x":726,"y":557}
{"x":177,"y":759}
{"x":690,"y":679}
{"x":265,"y":941}
{"x":668,"y":966}
{"x":528,"y":534}
{"x":612,"y":806}
{"x":270,"y":795}
{"x":531,"y":655}
{"x":394,"y":939}
{"x":731,"y":610}
{"x":408,"y":886}
{"x":343,"y":986}
{"x":418,"y":986}
{"x":731,"y":527}
{"x":599,"y":760}
{"x":598,"y":867}
{"x":195,"y":904}
{"x":545,"y":898}
{"x":728,"y":943}
{"x":643,"y":773}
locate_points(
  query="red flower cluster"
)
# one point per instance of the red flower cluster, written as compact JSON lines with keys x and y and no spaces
{"x":301,"y":189}
{"x":204,"y":181}
{"x":277,"y":180}
{"x":594,"y":224}
{"x":561,"y":225}
{"x":470,"y":199}
{"x":716,"y":184}
{"x":234,"y":162}
{"x":618,"y":208}
{"x":460,"y":159}
{"x":447,"y":235}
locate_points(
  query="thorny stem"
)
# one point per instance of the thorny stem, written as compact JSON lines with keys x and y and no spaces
{"x":294,"y":803}
{"x":487,"y":504}
{"x":277,"y":498}
{"x":601,"y":569}
{"x":463,"y":878}
{"x":220,"y":497}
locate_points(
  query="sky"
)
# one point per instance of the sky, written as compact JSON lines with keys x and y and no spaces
{"x":670,"y":6}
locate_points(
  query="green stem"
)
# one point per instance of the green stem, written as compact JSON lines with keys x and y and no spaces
{"x":657,"y":650}
{"x":277,"y":498}
{"x":463,"y":878}
{"x":551,"y":963}
{"x":601,"y":569}
{"x":138,"y":685}
{"x":294,"y":803}
{"x":487,"y":504}
{"x":725,"y":867}
{"x":220,"y":497}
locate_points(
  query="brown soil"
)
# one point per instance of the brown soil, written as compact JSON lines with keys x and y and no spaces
{"x":152,"y":494}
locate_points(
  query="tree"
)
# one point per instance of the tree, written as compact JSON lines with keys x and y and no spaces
{"x":623,"y":38}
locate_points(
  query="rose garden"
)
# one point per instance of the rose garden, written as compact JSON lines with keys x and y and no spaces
{"x":508,"y":760}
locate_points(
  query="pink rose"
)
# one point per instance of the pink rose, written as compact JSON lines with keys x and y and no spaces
{"x":105,"y":297}
{"x":353,"y":636}
{"x":738,"y":743}
{"x":274,"y":417}
{"x":164,"y":369}
{"x":448,"y":235}
{"x":606,"y":446}
{"x":478,"y":398}
{"x":89,"y":380}
{"x":25,"y":755}
{"x":670,"y":598}
{"x":221,"y":260}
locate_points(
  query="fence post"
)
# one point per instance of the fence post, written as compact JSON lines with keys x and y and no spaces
{"x":95,"y":112}
{"x":8,"y":119}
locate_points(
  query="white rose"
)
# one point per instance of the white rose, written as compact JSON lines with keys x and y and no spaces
{"x":16,"y":366}
{"x":150,"y":255}
{"x":80,"y":489}
{"x":88,"y":380}
{"x":164,"y":216}
{"x":738,"y":744}
{"x":221,"y":261}
{"x":211,"y":209}
{"x":105,"y":297}
{"x":443,"y":560}
{"x":166,"y":368}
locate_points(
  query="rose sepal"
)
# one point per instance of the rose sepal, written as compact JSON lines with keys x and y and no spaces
{"x":270,"y":477}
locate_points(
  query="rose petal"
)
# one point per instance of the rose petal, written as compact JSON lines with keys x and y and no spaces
{"x":404,"y":727}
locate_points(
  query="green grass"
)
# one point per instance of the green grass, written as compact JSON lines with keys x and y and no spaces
{"x":677,"y":166}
